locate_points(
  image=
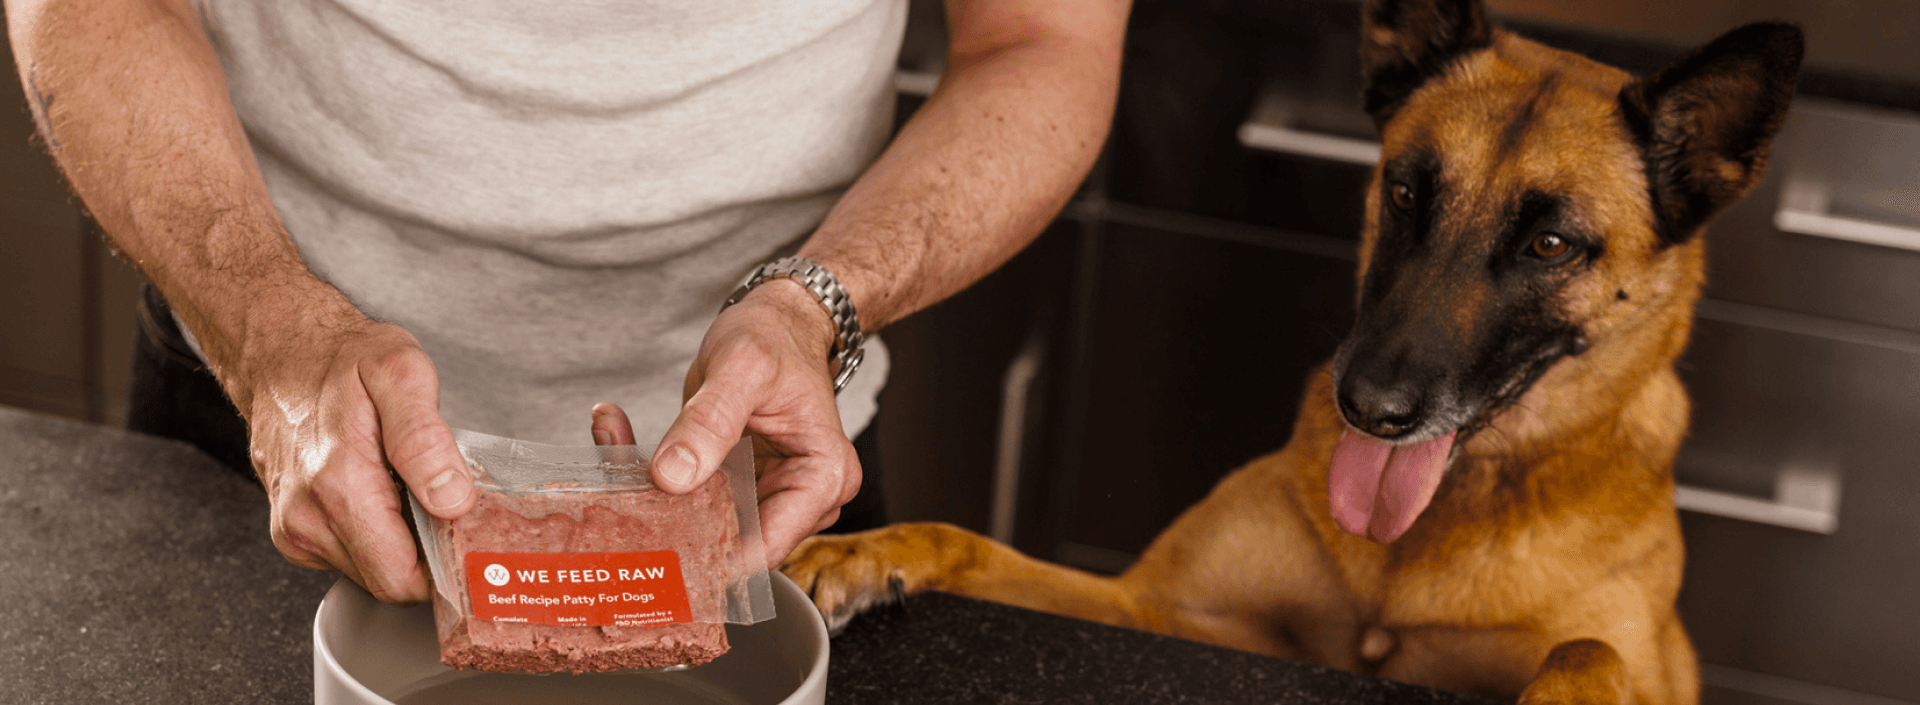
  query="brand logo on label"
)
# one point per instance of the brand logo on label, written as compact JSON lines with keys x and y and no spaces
{"x":584,"y":589}
{"x":497,"y":575}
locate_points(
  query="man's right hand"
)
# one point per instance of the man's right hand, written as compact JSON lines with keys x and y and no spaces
{"x":325,"y":428}
{"x":131,"y":101}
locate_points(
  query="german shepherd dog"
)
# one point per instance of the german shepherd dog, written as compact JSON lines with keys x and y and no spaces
{"x":1478,"y":494}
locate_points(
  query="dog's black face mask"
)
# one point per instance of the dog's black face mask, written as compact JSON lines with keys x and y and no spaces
{"x":1460,"y":306}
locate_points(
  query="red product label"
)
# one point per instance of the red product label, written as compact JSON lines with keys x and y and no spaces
{"x":578,"y":589}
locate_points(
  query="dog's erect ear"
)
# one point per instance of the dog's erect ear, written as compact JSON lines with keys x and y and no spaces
{"x":1404,"y":43}
{"x":1704,"y":123}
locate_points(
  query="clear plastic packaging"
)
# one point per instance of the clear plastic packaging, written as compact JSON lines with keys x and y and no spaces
{"x":572,"y":561}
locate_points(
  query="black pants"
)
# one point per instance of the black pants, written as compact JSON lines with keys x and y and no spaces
{"x":174,"y":396}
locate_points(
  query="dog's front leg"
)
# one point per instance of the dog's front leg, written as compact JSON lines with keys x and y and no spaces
{"x":1580,"y":672}
{"x":848,"y":574}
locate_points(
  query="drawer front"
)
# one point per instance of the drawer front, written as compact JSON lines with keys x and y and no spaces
{"x":1841,"y":178}
{"x":1842,"y":610}
{"x":1199,"y":350}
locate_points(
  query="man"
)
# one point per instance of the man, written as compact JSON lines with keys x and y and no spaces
{"x":374,"y":219}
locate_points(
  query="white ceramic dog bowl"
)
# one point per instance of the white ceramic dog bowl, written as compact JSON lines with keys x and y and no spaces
{"x":369,"y":653}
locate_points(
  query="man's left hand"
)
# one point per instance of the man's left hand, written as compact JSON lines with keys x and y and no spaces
{"x":762,"y":369}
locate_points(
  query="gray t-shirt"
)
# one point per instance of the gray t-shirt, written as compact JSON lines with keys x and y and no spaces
{"x":555,"y":197}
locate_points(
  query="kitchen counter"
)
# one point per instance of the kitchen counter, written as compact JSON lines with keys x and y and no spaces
{"x":136,"y":569}
{"x":139,"y":570}
{"x":967,"y":651}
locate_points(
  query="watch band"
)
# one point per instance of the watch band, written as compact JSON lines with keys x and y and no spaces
{"x":847,"y":344}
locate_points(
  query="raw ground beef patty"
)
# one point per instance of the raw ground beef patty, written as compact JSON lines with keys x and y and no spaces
{"x":700,"y":526}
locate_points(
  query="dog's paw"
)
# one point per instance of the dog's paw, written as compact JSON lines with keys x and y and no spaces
{"x":846,"y":575}
{"x":1580,"y":672}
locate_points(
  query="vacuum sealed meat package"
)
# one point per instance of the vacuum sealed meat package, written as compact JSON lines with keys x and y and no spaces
{"x":572,"y":561}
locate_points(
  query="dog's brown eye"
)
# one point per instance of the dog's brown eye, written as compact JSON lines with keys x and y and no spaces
{"x":1550,"y":246}
{"x":1402,"y":196}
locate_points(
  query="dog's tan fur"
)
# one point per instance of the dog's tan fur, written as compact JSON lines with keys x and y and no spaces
{"x":1547,"y":565}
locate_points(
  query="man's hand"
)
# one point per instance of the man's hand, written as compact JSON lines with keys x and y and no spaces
{"x":338,"y":411}
{"x":761,"y":369}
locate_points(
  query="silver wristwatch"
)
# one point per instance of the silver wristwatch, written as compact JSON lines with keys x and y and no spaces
{"x":846,"y":345}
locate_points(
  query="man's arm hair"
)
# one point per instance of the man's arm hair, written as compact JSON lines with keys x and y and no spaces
{"x":981,"y":169}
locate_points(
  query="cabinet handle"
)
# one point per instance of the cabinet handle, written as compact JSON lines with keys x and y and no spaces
{"x":1286,"y":140}
{"x":915,"y":83}
{"x":1016,"y":388}
{"x":1803,"y":498}
{"x":1804,"y":209}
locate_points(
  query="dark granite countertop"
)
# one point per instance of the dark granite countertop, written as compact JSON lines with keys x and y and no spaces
{"x":940,"y":649}
{"x":135,"y":570}
{"x":138,"y":570}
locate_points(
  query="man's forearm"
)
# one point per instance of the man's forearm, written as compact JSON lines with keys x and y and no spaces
{"x":980,"y":170}
{"x":133,"y":104}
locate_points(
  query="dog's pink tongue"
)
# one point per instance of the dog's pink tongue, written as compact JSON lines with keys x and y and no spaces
{"x":1377,"y":489}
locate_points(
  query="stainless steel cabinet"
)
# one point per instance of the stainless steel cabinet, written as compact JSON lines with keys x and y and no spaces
{"x":1834,"y":230}
{"x":1196,"y":344}
{"x":1805,"y":371}
{"x":1837,"y":610}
